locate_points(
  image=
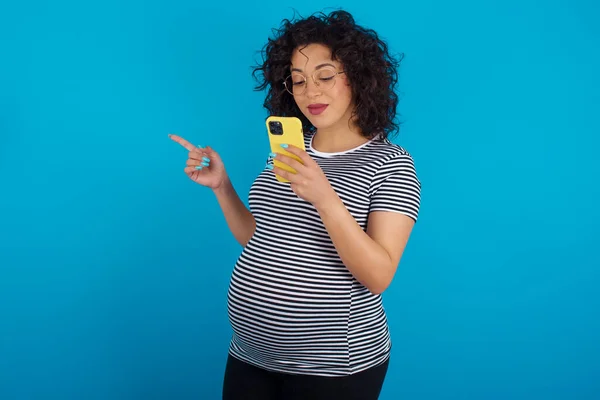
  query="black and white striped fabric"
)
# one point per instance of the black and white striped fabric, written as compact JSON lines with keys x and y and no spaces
{"x":292,"y":304}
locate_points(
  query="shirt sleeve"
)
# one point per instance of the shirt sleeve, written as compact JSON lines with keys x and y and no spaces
{"x":396,"y":187}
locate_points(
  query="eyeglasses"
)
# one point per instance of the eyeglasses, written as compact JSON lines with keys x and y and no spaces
{"x":324,"y":79}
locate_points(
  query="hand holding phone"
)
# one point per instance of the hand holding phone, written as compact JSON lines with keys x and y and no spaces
{"x":285,"y":130}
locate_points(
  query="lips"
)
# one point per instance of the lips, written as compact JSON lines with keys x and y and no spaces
{"x":316,"y":109}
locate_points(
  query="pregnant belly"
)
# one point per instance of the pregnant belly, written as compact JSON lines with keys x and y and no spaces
{"x":289,"y":306}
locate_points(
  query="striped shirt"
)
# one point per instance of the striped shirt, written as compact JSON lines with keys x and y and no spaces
{"x":293,"y":305}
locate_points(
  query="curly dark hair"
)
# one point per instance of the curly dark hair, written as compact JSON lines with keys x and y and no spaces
{"x":371,"y":70}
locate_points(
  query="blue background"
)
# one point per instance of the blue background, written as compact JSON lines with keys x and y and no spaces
{"x":114,"y":265}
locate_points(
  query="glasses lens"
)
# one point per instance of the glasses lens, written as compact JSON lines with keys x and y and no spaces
{"x":325,"y":78}
{"x":295,"y":84}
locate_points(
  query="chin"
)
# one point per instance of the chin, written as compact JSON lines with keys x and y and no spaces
{"x":321,"y":123}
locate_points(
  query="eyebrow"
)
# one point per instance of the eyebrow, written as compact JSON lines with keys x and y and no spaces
{"x":317,"y":67}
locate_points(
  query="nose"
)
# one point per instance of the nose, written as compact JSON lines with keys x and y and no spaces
{"x":312,"y":89}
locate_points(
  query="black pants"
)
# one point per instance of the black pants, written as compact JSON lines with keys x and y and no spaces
{"x":247,"y":382}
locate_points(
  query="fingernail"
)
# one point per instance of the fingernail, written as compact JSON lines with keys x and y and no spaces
{"x":200,"y":147}
{"x":199,"y":167}
{"x":205,"y":164}
{"x":272,"y":154}
{"x":269,"y":166}
{"x":206,"y":159}
{"x":284,"y":145}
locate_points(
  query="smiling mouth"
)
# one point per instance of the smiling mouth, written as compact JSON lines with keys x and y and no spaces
{"x":316,"y":109}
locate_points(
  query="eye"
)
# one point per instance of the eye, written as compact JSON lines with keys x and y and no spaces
{"x":326,"y":75}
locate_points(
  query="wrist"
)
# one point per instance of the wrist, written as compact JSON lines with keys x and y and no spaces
{"x":223,"y":188}
{"x":329,"y":204}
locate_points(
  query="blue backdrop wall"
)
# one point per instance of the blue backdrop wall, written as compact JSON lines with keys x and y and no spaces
{"x":114,"y":266}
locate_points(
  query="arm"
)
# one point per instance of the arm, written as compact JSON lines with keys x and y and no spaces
{"x":372,"y":256}
{"x":205,"y":167}
{"x":239,"y":219}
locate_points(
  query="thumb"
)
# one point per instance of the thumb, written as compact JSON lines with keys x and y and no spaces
{"x":210,"y":152}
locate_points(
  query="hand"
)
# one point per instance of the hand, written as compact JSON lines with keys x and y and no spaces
{"x":309,"y":182}
{"x":203,"y":166}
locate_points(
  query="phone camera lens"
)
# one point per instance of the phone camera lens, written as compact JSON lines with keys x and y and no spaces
{"x":276,"y":127}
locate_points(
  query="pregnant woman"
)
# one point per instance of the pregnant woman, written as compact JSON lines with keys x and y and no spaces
{"x":304,"y":299}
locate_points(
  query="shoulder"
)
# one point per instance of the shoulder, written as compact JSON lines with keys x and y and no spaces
{"x":395,"y":186}
{"x":393,"y":164}
{"x":391,"y":155}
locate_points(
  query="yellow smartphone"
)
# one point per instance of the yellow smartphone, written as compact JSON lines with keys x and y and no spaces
{"x":284,"y":130}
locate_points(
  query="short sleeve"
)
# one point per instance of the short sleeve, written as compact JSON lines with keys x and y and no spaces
{"x":396,"y":187}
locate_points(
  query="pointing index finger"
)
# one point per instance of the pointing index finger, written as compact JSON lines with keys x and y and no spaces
{"x":183,"y":142}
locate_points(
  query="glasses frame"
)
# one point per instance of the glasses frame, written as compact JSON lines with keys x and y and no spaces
{"x":290,"y":91}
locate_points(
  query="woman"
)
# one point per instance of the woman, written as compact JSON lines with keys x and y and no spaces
{"x":305,"y":294}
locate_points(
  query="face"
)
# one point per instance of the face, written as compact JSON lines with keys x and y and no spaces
{"x":328,"y":103}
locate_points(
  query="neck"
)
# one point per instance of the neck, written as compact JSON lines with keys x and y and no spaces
{"x":337,"y":138}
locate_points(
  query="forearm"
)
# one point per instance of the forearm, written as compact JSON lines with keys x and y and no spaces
{"x":239,"y":219}
{"x":368,"y":261}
